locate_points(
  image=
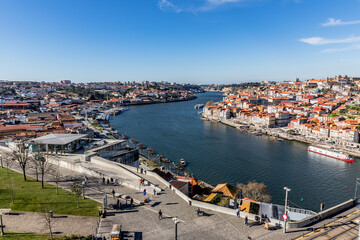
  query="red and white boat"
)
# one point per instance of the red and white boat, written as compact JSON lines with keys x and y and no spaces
{"x":331,"y":153}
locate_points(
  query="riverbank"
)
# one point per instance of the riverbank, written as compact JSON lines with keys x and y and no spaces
{"x":281,"y":134}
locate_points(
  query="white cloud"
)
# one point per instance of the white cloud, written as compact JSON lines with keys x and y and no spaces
{"x":345,"y":49}
{"x":322,"y":41}
{"x":338,"y":22}
{"x":196,"y":5}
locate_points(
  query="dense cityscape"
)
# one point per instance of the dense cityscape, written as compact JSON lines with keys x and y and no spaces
{"x":179,"y":119}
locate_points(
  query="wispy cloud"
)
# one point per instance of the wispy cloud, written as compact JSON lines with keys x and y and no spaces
{"x":345,"y":49}
{"x":322,"y":41}
{"x":197,"y":5}
{"x":338,"y":22}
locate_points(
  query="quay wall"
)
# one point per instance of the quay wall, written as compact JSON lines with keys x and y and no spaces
{"x":322,"y":215}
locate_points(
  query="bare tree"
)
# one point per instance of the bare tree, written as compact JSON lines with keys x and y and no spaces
{"x":22,"y":156}
{"x":56,"y":177}
{"x":35,"y":166}
{"x":48,"y":220}
{"x":7,"y":160}
{"x":76,"y":188}
{"x":254,"y":190}
{"x":43,"y":164}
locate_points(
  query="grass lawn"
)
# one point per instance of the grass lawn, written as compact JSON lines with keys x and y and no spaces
{"x":23,"y":236}
{"x":30,"y":197}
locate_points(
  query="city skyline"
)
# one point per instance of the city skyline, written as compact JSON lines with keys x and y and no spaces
{"x":209,"y":41}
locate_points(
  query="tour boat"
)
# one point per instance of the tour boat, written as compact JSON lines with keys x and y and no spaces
{"x":331,"y":153}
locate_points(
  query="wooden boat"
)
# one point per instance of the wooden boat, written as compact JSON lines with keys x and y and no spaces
{"x":163,"y":159}
{"x":150,"y":151}
{"x":178,"y":167}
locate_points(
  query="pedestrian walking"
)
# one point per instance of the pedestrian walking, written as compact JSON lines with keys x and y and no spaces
{"x":86,"y":180}
{"x":131,"y":202}
{"x":103,"y":180}
{"x":107,"y":181}
{"x":144,"y":191}
{"x":141,"y":170}
{"x":140,"y":181}
{"x":237,"y":213}
{"x":160,"y":214}
{"x":154,"y":192}
{"x":113,"y":193}
{"x":118,"y":204}
{"x":246,"y":220}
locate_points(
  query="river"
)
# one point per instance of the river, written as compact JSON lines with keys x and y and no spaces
{"x":216,"y":153}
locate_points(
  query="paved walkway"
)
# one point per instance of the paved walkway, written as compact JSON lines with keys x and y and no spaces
{"x":26,"y":222}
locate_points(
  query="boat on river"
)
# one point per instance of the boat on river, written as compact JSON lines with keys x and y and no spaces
{"x":182,"y":162}
{"x":133,"y":141}
{"x":141,"y":146}
{"x":150,"y":151}
{"x":125,"y":137}
{"x":331,"y":153}
{"x":164,"y":159}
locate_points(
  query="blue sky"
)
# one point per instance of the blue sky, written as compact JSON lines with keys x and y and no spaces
{"x":196,"y":41}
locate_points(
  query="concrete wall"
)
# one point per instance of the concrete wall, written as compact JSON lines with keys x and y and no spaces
{"x":322,"y":215}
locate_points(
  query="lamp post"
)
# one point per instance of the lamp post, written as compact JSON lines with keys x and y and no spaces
{"x":1,"y":222}
{"x":83,"y":189}
{"x":286,"y":205}
{"x":176,"y":220}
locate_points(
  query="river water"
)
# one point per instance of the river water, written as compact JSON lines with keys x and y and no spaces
{"x":216,"y":153}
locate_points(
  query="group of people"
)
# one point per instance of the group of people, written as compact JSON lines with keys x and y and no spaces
{"x":142,"y":182}
{"x":264,"y":219}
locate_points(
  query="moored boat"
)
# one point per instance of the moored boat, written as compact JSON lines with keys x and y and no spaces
{"x":182,"y":162}
{"x":133,"y":141}
{"x":125,"y":137}
{"x":164,"y":159}
{"x":150,"y":151}
{"x":141,"y":146}
{"x":331,"y":153}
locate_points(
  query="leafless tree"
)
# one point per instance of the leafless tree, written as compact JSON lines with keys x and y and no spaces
{"x":35,"y":166}
{"x":7,"y":160}
{"x":48,"y":220}
{"x":254,"y":190}
{"x":56,"y":177}
{"x":21,"y":156}
{"x":43,"y":164}
{"x":76,"y":188}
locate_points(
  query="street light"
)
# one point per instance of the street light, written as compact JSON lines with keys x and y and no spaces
{"x":176,"y":220}
{"x":286,"y":205}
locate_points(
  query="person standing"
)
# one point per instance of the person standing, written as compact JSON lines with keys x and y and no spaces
{"x":237,"y":213}
{"x":246,"y":220}
{"x":160,"y":214}
{"x":113,"y":193}
{"x":131,"y":202}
